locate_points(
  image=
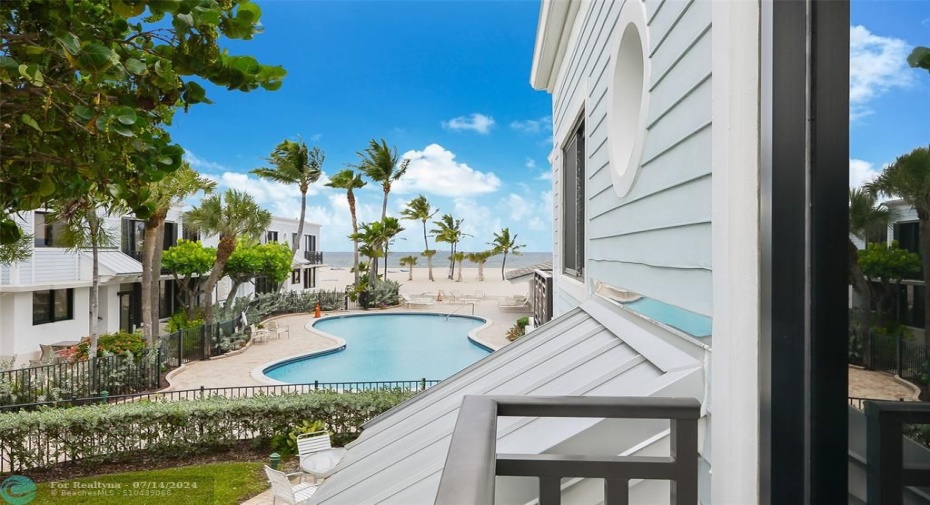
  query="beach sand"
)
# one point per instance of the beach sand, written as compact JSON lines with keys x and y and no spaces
{"x":492,"y":286}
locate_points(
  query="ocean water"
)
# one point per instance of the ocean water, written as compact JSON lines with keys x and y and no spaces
{"x":344,"y":259}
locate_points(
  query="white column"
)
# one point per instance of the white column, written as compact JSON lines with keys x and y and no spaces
{"x":736,"y":254}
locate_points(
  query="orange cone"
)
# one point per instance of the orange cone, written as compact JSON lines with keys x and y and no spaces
{"x":316,"y":311}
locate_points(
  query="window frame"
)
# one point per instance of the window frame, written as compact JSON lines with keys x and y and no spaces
{"x":53,"y":316}
{"x":577,"y":187}
{"x":295,"y":276}
{"x":268,"y":237}
{"x":309,"y":278}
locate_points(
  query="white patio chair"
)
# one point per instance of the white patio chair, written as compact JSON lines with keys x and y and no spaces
{"x":281,"y":487}
{"x":259,"y":335}
{"x":316,"y":453}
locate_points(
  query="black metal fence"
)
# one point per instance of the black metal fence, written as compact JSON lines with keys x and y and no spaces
{"x":111,"y":374}
{"x":116,"y":375}
{"x":893,"y":354}
{"x":230,"y":392}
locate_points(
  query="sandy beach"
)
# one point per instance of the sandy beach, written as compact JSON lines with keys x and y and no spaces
{"x":493,"y":287}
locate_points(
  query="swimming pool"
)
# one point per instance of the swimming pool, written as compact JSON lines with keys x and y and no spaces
{"x":387,"y":347}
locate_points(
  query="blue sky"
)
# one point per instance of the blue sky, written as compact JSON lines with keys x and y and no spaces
{"x":448,"y":84}
{"x":890,"y":102}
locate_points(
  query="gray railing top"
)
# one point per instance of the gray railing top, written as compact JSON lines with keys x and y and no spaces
{"x":472,"y":461}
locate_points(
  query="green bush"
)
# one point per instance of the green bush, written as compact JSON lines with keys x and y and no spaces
{"x":180,"y":321}
{"x":113,"y":343}
{"x":523,"y":322}
{"x":178,"y":428}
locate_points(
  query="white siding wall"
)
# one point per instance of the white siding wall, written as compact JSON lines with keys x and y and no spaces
{"x":655,"y":240}
{"x":18,"y":336}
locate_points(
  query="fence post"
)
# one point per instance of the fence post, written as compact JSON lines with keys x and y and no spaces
{"x":423,"y":384}
{"x":316,"y":385}
{"x":898,"y":355}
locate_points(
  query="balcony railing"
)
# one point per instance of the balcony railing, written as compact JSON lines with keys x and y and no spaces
{"x":887,"y":473}
{"x":314,"y":257}
{"x":473,"y":462}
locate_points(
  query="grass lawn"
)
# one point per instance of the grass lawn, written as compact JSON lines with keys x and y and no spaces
{"x":215,"y":483}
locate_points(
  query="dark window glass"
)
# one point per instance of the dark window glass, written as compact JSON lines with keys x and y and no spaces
{"x":52,"y":305}
{"x":132,"y":236}
{"x":310,"y":242}
{"x":171,"y":235}
{"x":309,"y":278}
{"x":191,"y":234}
{"x":167,"y":295}
{"x":271,"y":237}
{"x":573,"y":201}
{"x":908,"y":237}
{"x":295,"y":276}
{"x":46,"y":233}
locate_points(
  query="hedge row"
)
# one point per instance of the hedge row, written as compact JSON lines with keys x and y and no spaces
{"x":113,"y":432}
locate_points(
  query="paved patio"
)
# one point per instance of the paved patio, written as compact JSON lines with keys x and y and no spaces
{"x":878,"y":385}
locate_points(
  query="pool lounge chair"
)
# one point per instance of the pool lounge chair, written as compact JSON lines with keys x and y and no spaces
{"x":514,"y":303}
{"x":417,"y":301}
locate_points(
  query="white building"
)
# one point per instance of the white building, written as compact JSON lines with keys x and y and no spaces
{"x":45,"y":299}
{"x":687,"y":254}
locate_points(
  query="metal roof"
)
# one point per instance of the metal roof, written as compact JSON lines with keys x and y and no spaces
{"x":400,"y":455}
{"x":113,"y":262}
{"x":528,"y":270}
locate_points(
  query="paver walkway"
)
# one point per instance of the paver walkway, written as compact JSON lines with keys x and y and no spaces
{"x":877,"y":385}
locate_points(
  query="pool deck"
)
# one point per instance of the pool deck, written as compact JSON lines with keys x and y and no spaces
{"x":236,"y":370}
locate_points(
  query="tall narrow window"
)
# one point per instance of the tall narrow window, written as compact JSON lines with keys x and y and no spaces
{"x":309,"y":278}
{"x":295,"y":276}
{"x":46,"y":232}
{"x":573,"y":201}
{"x":271,"y":237}
{"x":310,"y":242}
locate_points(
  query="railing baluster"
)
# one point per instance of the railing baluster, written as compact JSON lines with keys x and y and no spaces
{"x":616,"y":492}
{"x":550,"y":490}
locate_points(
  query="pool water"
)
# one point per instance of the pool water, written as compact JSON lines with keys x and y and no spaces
{"x":388,"y":347}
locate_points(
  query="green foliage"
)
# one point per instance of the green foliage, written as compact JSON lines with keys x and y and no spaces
{"x":113,"y":343}
{"x":17,"y":250}
{"x":920,"y":58}
{"x":179,"y":428}
{"x":514,"y":332}
{"x":286,"y":443}
{"x":523,"y":321}
{"x":90,"y":87}
{"x":256,"y":260}
{"x":286,"y":302}
{"x":879,"y":261}
{"x":181,"y":321}
{"x":187,"y":258}
{"x":382,"y":294}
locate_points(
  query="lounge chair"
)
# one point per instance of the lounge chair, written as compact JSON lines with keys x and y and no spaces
{"x":277,"y":330}
{"x":282,"y":488}
{"x":317,"y":455}
{"x":514,"y":303}
{"x":417,"y":301}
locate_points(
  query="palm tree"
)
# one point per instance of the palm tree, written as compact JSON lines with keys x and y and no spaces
{"x":390,"y":228}
{"x":449,"y":231}
{"x":504,"y":244}
{"x":409,"y":261}
{"x":86,"y":229}
{"x":369,"y":237}
{"x":867,"y":218}
{"x":172,"y":190}
{"x":231,"y":216}
{"x":419,"y":208}
{"x":909,"y":178}
{"x":350,"y":181}
{"x":458,"y":257}
{"x":382,"y":165}
{"x":293,"y":163}
{"x":480,"y":258}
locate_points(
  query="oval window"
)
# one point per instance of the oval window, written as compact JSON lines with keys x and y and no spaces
{"x":628,"y":98}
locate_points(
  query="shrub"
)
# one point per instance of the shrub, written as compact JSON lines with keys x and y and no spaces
{"x":113,"y":343}
{"x":286,"y":443}
{"x":113,"y":432}
{"x":383,"y":294}
{"x":523,"y":322}
{"x":180,"y":321}
{"x":516,"y":331}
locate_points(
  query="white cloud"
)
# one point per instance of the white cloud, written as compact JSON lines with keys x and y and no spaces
{"x":860,"y":172}
{"x":434,"y":170}
{"x":202,"y":165}
{"x":530,"y":163}
{"x":281,"y":199}
{"x":475,"y":122}
{"x":316,"y":137}
{"x":545,"y":176}
{"x":533,"y":125}
{"x":533,"y":213}
{"x":876,"y":65}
